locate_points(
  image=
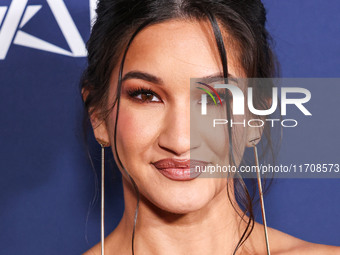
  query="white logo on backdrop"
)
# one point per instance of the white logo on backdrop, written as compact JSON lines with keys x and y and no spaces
{"x":18,"y":14}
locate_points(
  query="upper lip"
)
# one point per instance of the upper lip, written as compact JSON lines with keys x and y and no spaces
{"x":178,"y":163}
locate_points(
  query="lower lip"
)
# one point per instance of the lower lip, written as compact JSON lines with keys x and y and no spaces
{"x":179,"y":174}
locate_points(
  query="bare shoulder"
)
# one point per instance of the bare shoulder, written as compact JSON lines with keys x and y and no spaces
{"x":307,"y":248}
{"x":284,"y":244}
{"x":315,"y":249}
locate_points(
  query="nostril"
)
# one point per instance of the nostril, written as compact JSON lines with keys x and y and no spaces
{"x":177,"y":145}
{"x":175,"y":140}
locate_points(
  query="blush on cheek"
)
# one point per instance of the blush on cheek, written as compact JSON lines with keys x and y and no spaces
{"x":137,"y":130}
{"x":219,"y":141}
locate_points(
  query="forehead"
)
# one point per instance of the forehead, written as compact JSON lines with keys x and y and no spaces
{"x":178,"y":47}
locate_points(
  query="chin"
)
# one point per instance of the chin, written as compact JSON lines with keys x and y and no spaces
{"x":185,"y":197}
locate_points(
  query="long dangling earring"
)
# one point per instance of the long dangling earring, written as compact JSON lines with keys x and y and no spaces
{"x":102,"y":232}
{"x":261,"y":193}
{"x":102,"y":199}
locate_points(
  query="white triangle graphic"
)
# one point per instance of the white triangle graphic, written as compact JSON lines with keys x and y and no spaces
{"x":13,"y":22}
{"x":31,"y":10}
{"x":27,"y":40}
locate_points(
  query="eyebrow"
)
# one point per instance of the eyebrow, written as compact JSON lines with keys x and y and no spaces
{"x":143,"y":76}
{"x":217,"y":77}
{"x":157,"y":80}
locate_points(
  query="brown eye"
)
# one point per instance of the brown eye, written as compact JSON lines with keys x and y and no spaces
{"x":144,"y":95}
{"x":148,"y":97}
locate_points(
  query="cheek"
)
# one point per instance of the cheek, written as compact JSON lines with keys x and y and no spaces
{"x":216,"y":139}
{"x":136,"y":132}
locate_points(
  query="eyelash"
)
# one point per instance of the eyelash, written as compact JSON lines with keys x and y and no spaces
{"x":134,"y":92}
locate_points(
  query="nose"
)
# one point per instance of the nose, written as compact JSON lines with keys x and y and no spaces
{"x":175,"y":134}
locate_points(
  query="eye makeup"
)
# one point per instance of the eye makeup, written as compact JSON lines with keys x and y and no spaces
{"x":143,"y":95}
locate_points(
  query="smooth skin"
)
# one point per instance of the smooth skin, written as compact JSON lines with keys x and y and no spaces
{"x":178,"y":217}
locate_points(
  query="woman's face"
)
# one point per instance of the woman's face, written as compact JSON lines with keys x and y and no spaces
{"x":159,"y":118}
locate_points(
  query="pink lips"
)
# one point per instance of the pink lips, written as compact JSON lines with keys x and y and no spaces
{"x":179,"y":169}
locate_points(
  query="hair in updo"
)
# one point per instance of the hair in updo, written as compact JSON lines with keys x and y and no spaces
{"x":119,"y":21}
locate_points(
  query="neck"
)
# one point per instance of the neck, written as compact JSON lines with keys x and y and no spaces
{"x":214,"y":229}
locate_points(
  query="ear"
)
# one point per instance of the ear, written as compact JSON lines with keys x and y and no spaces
{"x":98,"y":125}
{"x":100,"y":131}
{"x":254,"y":135}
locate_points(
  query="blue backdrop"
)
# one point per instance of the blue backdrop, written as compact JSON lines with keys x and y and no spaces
{"x":47,"y":183}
